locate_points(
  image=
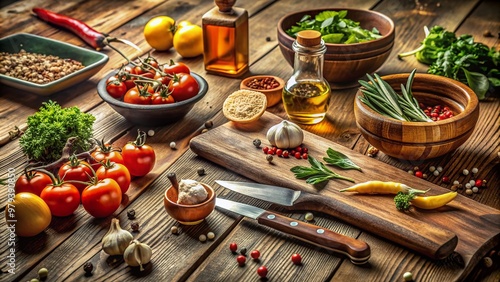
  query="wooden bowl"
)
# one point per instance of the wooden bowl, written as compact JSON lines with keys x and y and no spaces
{"x":421,"y":140}
{"x":345,"y":63}
{"x":273,"y":95}
{"x":189,"y":214}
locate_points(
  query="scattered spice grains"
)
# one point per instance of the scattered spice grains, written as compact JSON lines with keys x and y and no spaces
{"x":372,"y":151}
{"x":309,"y":216}
{"x":37,"y":68}
{"x":269,"y":158}
{"x":135,"y":226}
{"x":174,"y":230}
{"x":151,"y":133}
{"x":173,"y":145}
{"x":200,"y":171}
{"x":209,"y":124}
{"x":43,"y":273}
{"x":202,"y":238}
{"x":210,"y":235}
{"x":257,"y":143}
{"x":131,"y":214}
{"x":241,"y":260}
{"x":408,"y":276}
{"x":88,"y":267}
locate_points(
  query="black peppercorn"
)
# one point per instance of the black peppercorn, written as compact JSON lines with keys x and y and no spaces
{"x":134,"y":226}
{"x":257,"y":142}
{"x":88,"y":267}
{"x":200,"y":171}
{"x":131,"y":214}
{"x":243,"y":251}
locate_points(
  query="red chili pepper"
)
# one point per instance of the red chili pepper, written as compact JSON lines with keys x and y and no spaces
{"x":89,"y":35}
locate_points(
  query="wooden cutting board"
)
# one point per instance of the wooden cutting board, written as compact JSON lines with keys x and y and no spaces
{"x":477,"y":226}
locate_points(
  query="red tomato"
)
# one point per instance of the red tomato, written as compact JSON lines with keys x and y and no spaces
{"x":103,"y":198}
{"x":62,"y":199}
{"x":183,"y":86}
{"x":173,"y":68}
{"x":162,"y":97}
{"x":139,"y":95}
{"x":115,"y":171}
{"x":116,"y":88}
{"x":163,"y":79}
{"x":103,"y":153}
{"x":77,"y":170}
{"x":138,"y":157}
{"x":32,"y":182}
{"x":152,"y":62}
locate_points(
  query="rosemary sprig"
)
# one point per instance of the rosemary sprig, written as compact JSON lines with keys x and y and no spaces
{"x":381,"y":97}
{"x":317,"y":173}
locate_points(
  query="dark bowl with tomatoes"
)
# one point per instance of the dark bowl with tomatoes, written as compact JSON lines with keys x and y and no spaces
{"x":152,"y":114}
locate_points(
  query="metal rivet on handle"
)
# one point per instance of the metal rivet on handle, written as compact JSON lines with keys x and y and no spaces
{"x":271,"y":216}
{"x":294,"y":223}
{"x":320,"y":231}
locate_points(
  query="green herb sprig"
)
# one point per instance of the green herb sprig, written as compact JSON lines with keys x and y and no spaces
{"x":340,"y":160}
{"x":335,"y":28}
{"x":49,"y":129}
{"x":317,"y":173}
{"x":460,"y":58}
{"x":381,"y":97}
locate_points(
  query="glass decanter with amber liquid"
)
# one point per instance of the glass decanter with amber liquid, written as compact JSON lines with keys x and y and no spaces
{"x":306,"y":94}
{"x":225,"y":39}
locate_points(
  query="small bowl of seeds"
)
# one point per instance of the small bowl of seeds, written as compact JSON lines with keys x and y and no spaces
{"x":269,"y":85}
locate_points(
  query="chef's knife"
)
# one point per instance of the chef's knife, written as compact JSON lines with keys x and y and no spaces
{"x":357,"y":251}
{"x":420,"y":236}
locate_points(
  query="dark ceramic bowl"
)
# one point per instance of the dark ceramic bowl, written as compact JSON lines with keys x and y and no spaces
{"x":152,"y":114}
{"x":345,"y":63}
{"x":92,"y":60}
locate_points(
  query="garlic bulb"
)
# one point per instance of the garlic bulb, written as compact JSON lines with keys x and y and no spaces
{"x":285,"y":135}
{"x":137,"y":254}
{"x":116,"y":240}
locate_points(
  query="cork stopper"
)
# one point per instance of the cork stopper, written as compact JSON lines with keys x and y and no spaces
{"x":309,"y":38}
{"x":225,"y":6}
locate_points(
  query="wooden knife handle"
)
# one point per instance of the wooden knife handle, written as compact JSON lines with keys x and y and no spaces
{"x":357,"y":251}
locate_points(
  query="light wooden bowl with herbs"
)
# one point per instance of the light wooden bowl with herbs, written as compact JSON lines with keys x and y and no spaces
{"x":420,"y":140}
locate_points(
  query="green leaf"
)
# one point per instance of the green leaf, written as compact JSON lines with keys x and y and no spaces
{"x":340,"y":160}
{"x":333,"y":38}
{"x":477,"y":82}
{"x":327,"y":22}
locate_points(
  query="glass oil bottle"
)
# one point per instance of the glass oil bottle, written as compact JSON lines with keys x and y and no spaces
{"x":225,"y":39}
{"x":306,"y":94}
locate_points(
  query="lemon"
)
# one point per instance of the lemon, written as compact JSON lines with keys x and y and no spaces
{"x":159,"y":32}
{"x":188,"y":41}
{"x":184,"y":23}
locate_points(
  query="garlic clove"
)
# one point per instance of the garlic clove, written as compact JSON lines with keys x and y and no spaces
{"x":116,"y":239}
{"x":137,"y":254}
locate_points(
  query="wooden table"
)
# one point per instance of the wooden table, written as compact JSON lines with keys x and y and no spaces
{"x":70,"y":242}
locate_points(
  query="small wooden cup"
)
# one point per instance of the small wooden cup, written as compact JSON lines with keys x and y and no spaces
{"x":273,"y":95}
{"x":189,"y":214}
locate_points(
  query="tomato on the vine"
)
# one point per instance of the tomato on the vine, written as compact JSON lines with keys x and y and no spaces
{"x":115,"y":171}
{"x":102,"y":198}
{"x":116,"y":88}
{"x":76,"y":170}
{"x":62,"y":198}
{"x":162,"y":96}
{"x":140,"y":95}
{"x":138,"y":157}
{"x":103,"y":153}
{"x":32,"y":182}
{"x":175,"y":67}
{"x":183,"y":86}
{"x":163,"y":79}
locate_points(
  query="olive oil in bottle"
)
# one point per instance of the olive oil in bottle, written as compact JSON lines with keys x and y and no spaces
{"x":306,"y":95}
{"x":225,"y":39}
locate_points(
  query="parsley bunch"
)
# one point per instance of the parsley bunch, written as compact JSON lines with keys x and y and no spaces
{"x":335,"y":28}
{"x":49,"y":129}
{"x":460,"y":58}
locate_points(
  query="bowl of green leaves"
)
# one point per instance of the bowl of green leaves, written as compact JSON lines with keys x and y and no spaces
{"x":357,"y":41}
{"x":415,"y":116}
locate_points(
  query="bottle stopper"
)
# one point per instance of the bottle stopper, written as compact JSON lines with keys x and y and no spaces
{"x":225,"y":6}
{"x":309,"y":38}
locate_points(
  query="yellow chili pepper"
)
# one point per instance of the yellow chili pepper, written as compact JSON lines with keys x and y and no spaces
{"x":433,"y":202}
{"x":380,"y":187}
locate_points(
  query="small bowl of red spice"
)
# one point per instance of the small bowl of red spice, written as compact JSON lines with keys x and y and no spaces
{"x":269,"y":85}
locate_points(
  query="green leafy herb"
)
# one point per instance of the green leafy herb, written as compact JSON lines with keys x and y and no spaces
{"x":460,"y":58}
{"x":402,"y":200}
{"x":49,"y":129}
{"x":317,"y":173}
{"x":335,"y":28}
{"x":338,"y":159}
{"x":381,"y":97}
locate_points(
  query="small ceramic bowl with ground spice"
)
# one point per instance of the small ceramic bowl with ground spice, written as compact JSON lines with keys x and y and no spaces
{"x":189,"y":214}
{"x":421,"y":140}
{"x":269,"y":85}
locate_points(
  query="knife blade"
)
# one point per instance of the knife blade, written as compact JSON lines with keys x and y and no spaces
{"x":433,"y":241}
{"x":356,"y":250}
